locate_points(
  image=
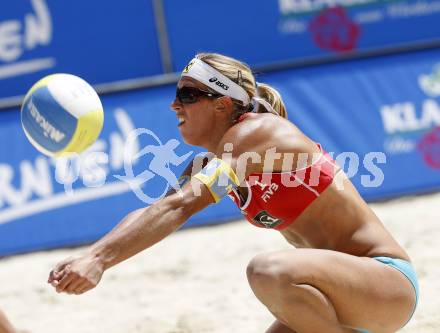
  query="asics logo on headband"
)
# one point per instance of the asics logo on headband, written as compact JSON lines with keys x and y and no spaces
{"x":212,"y":78}
{"x":217,"y":82}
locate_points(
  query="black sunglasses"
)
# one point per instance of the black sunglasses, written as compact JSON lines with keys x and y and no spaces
{"x":188,"y":95}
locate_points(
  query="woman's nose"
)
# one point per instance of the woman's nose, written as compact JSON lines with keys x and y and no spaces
{"x":176,"y":105}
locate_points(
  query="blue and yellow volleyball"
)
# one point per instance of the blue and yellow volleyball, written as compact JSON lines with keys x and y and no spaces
{"x":62,"y":114}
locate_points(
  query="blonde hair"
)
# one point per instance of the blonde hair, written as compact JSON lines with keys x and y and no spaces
{"x":240,"y":73}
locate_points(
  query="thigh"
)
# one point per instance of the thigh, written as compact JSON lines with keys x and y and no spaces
{"x":364,"y":292}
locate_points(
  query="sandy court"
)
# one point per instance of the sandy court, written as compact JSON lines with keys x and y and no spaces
{"x":194,"y":281}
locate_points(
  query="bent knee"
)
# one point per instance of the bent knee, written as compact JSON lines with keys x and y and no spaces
{"x":269,"y":270}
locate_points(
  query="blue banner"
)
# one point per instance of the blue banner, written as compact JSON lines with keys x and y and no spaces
{"x":380,"y":118}
{"x":265,"y":32}
{"x":99,"y":41}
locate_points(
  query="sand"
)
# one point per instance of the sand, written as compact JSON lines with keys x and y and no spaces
{"x":194,"y":281}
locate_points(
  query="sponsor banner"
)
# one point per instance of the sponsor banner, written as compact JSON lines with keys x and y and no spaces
{"x":264,"y":32}
{"x":379,"y":118}
{"x":100,"y":43}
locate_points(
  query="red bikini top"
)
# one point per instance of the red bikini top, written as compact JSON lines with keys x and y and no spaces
{"x":275,"y":200}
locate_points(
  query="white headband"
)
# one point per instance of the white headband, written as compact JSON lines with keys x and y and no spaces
{"x":209,"y":76}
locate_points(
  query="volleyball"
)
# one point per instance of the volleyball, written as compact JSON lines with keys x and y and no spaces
{"x":62,"y":114}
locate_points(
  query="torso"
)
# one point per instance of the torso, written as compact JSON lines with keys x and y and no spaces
{"x":328,"y":215}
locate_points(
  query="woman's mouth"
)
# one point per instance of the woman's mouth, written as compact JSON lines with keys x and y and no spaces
{"x":181,"y":121}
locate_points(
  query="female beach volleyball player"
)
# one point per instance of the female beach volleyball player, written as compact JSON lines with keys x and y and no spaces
{"x":346,"y":272}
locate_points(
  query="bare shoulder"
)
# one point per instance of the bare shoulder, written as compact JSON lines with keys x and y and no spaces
{"x":261,"y":132}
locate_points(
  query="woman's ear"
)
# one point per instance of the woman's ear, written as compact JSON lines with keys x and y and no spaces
{"x":223,"y":104}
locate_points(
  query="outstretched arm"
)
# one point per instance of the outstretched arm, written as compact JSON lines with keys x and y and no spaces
{"x":192,"y":168}
{"x":138,"y":231}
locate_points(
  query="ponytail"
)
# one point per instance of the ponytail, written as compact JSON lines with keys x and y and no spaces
{"x":273,"y":97}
